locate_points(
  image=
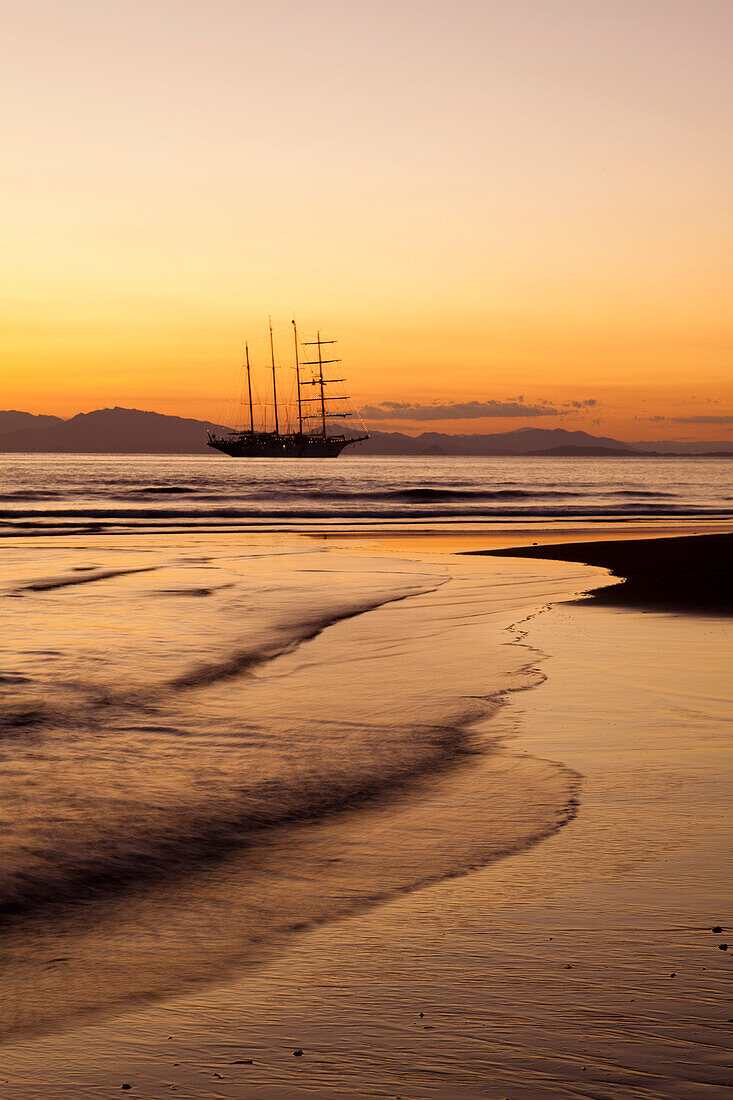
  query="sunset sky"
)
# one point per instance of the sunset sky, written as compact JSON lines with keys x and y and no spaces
{"x":508,"y":213}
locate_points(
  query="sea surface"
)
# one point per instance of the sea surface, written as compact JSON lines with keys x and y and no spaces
{"x":105,"y":492}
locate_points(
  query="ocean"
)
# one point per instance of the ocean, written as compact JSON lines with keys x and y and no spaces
{"x":109,"y":492}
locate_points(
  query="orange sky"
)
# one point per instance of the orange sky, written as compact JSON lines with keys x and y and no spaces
{"x":485,"y":201}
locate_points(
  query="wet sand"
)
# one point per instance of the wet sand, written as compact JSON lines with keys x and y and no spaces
{"x":583,"y":965}
{"x":682,"y":573}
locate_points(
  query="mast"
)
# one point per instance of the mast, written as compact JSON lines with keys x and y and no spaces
{"x":320,"y":380}
{"x":274,"y":383}
{"x":249,"y":387}
{"x":297,"y":379}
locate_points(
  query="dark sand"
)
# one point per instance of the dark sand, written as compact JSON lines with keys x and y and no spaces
{"x":691,"y":573}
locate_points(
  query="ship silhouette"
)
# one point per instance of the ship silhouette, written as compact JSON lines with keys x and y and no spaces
{"x":314,"y":437}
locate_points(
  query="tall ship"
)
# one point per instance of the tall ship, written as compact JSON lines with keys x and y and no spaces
{"x":317,"y":412}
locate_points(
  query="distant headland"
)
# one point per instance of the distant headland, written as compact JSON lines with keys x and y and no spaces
{"x":132,"y":431}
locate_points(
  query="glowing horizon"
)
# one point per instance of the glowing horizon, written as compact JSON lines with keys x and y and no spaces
{"x":480,"y":201}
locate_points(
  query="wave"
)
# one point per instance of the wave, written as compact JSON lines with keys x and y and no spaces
{"x":94,"y":517}
{"x":26,"y":718}
{"x":307,"y":629}
{"x":416,"y":494}
{"x":445,"y":493}
{"x":127,"y":860}
{"x":88,"y":577}
{"x":34,"y":494}
{"x":640,"y":493}
{"x":163,"y":840}
{"x":162,"y":490}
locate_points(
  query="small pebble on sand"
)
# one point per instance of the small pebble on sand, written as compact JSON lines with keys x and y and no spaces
{"x":722,"y":947}
{"x":717,"y":929}
{"x":297,"y":1054}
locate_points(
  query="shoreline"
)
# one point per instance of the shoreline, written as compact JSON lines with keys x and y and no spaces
{"x":691,"y":573}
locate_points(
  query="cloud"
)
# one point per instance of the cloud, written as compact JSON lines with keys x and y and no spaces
{"x":465,"y":410}
{"x":697,"y":419}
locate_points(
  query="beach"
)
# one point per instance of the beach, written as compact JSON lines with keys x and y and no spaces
{"x":684,"y":573}
{"x":437,"y":819}
{"x":549,"y":973}
{"x":366,"y":550}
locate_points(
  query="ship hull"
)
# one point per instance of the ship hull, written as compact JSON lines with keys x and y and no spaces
{"x":262,"y":445}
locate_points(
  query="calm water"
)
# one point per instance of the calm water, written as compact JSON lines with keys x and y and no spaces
{"x":102,"y":492}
